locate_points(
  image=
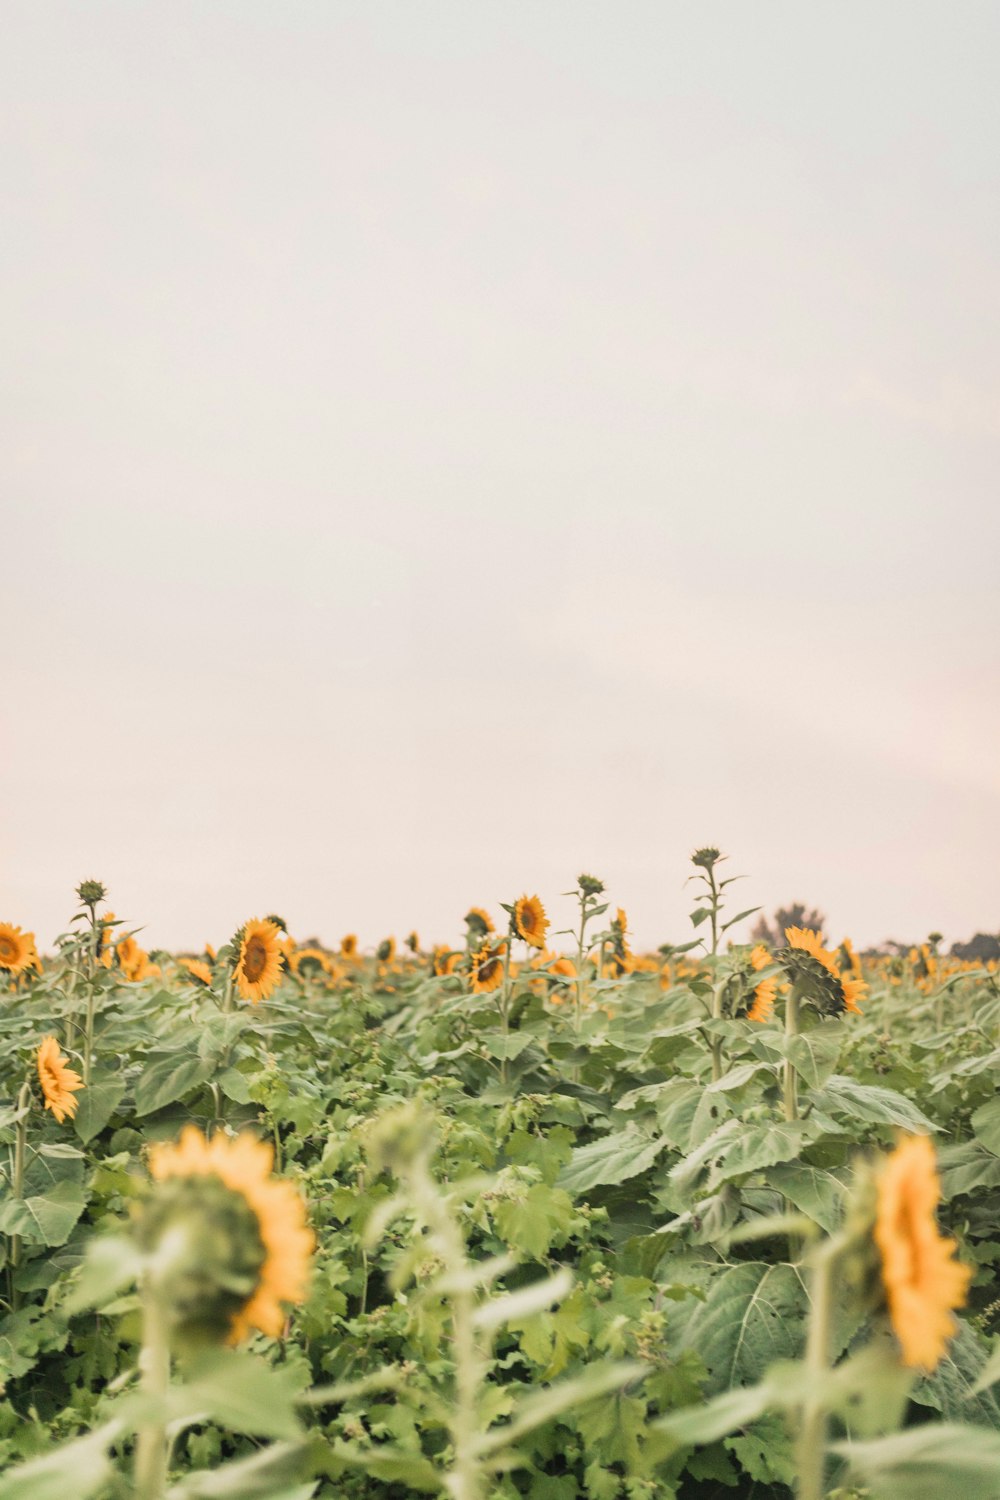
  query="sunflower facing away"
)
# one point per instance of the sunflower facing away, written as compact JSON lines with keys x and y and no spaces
{"x":922,"y":1282}
{"x":59,"y":1082}
{"x":808,"y":941}
{"x":530,"y":921}
{"x":763,"y":995}
{"x":197,"y":969}
{"x":16,"y":948}
{"x":279,"y":1241}
{"x":258,"y":967}
{"x":349,"y":945}
{"x":487,"y":969}
{"x":478,"y":921}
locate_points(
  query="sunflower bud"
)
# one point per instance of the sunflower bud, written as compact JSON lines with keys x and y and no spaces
{"x":706,"y":858}
{"x":91,"y":892}
{"x":590,"y":885}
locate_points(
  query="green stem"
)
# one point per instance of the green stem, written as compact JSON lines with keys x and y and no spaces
{"x":88,"y":1034}
{"x":791,"y":1077}
{"x":813,"y":1423}
{"x":154,"y":1368}
{"x":716,"y":1042}
{"x":227,"y":994}
{"x":505,"y":1007}
{"x":17,"y":1179}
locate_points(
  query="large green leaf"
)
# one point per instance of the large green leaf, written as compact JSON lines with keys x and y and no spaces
{"x":168,"y":1077}
{"x":871,"y":1102}
{"x":612,"y":1159}
{"x":77,"y":1469}
{"x":815,"y":1191}
{"x":986,"y":1124}
{"x":753,"y":1314}
{"x":96,"y":1104}
{"x":47,"y":1219}
{"x":758,"y":1146}
{"x":933,"y":1462}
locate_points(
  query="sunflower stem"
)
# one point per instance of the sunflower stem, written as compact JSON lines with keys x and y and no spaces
{"x":791,"y":1076}
{"x":17,"y":1178}
{"x":154,"y":1369}
{"x":505,"y":1003}
{"x":813,"y":1421}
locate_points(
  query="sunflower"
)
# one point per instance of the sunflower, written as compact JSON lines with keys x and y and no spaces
{"x":444,"y":960}
{"x":479,"y":922}
{"x":923,"y":1284}
{"x":349,"y":945}
{"x":413,"y":943}
{"x":310,"y":960}
{"x":258,"y":967}
{"x":763,"y":995}
{"x":16,"y":948}
{"x":386,"y":950}
{"x":197,"y":969}
{"x":59,"y":1083}
{"x":530,"y":921}
{"x":806,"y":940}
{"x":278,"y":1212}
{"x":486,"y":973}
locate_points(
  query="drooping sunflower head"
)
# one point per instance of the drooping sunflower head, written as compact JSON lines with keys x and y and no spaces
{"x":589,"y":885}
{"x":16,"y":948}
{"x":923,"y":1283}
{"x":486,"y":972}
{"x":258,"y":967}
{"x":530,"y":921}
{"x":479,"y":923}
{"x":59,"y":1082}
{"x":197,"y":969}
{"x":242,"y":1244}
{"x":815,"y":971}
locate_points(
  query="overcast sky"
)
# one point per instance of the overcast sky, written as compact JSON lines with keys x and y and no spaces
{"x":448,"y":446}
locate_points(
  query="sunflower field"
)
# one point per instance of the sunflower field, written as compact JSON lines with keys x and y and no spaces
{"x":535,"y":1216}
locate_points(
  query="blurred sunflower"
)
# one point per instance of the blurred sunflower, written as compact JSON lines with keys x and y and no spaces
{"x":59,"y":1082}
{"x":15,"y":948}
{"x":386,"y":950}
{"x":258,"y":967}
{"x":763,"y":995}
{"x":349,"y":945}
{"x":486,"y":973}
{"x":530,"y":921}
{"x":197,"y":969}
{"x":478,"y":921}
{"x":922,"y":1281}
{"x":276,"y":1242}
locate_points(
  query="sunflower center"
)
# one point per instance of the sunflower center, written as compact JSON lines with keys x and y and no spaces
{"x":254,"y":959}
{"x":7,"y":949}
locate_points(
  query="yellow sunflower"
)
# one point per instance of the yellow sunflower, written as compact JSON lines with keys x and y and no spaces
{"x":763,"y":996}
{"x":530,"y":921}
{"x":478,"y":921}
{"x":258,"y":967}
{"x":809,"y":941}
{"x":922,"y":1282}
{"x":15,"y":948}
{"x":244,"y":1166}
{"x":486,"y":973}
{"x":59,"y":1082}
{"x":197,"y":969}
{"x":349,"y":945}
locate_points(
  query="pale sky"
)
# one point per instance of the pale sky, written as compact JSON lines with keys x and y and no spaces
{"x":448,"y":446}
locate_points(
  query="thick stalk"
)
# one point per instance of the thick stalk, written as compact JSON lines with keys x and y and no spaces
{"x":716,"y":1043}
{"x":505,"y":1006}
{"x":579,"y":963}
{"x":88,"y":1034}
{"x":154,"y":1369}
{"x":17,"y":1179}
{"x":813,"y":1423}
{"x":791,"y":1076}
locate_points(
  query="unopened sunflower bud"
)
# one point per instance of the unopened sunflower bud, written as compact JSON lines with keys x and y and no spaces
{"x":91,"y":892}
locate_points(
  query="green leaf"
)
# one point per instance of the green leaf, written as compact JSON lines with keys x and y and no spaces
{"x":815,"y":1191}
{"x":986,"y":1124}
{"x":267,"y":1475}
{"x":753,"y":1314}
{"x":47,"y":1219}
{"x":758,"y":1146}
{"x":717,"y":1418}
{"x":167,"y":1078}
{"x":78,"y":1469}
{"x":95,"y":1106}
{"x":242,"y":1393}
{"x":869,"y":1101}
{"x":613,"y":1159}
{"x":510,"y":1046}
{"x":111,"y":1263}
{"x":553,"y":1400}
{"x":929,"y":1463}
